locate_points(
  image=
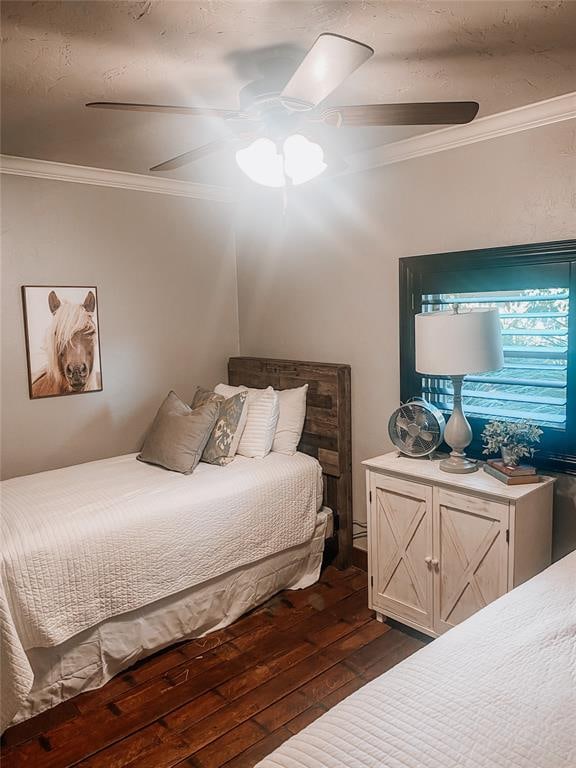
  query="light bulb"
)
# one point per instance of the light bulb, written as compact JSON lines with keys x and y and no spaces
{"x":303,"y":159}
{"x":262,"y":163}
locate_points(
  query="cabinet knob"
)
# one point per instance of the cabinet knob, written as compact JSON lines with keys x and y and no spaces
{"x":435,"y":564}
{"x":428,"y":560}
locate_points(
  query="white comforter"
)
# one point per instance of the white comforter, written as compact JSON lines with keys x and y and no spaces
{"x":498,"y":691}
{"x":85,"y":543}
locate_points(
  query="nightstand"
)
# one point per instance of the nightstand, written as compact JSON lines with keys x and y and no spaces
{"x":441,"y":546}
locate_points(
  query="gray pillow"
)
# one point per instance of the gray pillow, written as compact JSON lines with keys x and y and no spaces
{"x":203,"y":396}
{"x":178,"y":435}
{"x":225,"y":438}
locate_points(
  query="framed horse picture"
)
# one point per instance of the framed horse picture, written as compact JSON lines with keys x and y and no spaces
{"x":62,"y":340}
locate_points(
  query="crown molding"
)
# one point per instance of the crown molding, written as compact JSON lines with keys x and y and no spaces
{"x":536,"y":115}
{"x":101,"y":177}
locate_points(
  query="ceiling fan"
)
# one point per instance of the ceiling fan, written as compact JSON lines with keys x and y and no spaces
{"x":272,"y":118}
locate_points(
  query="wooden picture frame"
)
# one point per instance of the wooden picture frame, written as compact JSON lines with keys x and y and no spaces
{"x":62,"y":338}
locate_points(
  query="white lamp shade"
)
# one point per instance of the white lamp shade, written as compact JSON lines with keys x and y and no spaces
{"x":457,"y":343}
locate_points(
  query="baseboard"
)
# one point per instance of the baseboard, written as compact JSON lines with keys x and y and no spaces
{"x":360,"y":558}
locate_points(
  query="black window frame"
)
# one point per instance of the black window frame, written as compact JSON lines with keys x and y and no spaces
{"x":464,"y":271}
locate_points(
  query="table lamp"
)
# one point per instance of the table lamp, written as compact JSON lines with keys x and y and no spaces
{"x":454,"y":344}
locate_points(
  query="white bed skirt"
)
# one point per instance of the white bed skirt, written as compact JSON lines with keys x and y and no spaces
{"x":91,"y":658}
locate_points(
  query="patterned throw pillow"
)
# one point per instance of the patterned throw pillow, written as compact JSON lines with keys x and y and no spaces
{"x":263,"y":412}
{"x":225,"y":438}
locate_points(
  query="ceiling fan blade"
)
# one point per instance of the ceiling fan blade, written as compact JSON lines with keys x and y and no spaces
{"x":431,"y":113}
{"x":193,"y":154}
{"x":335,"y":162}
{"x":332,"y":154}
{"x":327,"y":64}
{"x":227,"y":114}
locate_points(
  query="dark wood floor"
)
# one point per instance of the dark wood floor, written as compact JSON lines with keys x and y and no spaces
{"x":228,"y":699}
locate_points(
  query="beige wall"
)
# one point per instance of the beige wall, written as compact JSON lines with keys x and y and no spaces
{"x":321,"y":282}
{"x":166,"y":278}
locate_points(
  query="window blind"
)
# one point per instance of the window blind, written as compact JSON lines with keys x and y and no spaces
{"x":533,"y":382}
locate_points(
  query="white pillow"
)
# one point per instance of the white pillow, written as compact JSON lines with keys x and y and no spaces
{"x":263,"y":412}
{"x":291,"y":420}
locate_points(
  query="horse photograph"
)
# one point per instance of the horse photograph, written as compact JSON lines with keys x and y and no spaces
{"x":62,"y":340}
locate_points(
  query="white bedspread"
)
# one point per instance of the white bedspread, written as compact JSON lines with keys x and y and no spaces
{"x":498,"y":691}
{"x":85,"y":543}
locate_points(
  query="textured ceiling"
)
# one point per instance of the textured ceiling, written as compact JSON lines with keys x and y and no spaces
{"x":58,"y":55}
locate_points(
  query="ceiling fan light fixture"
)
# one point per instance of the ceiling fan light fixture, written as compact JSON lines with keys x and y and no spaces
{"x":298,"y":161}
{"x":262,"y":163}
{"x":303,"y":159}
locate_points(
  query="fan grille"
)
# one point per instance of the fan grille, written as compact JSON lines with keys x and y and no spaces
{"x":416,"y":429}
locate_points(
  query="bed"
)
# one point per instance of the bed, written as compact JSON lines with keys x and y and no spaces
{"x":497,"y":691}
{"x":106,"y":562}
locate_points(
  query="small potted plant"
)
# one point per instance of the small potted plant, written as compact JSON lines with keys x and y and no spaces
{"x":514,"y":440}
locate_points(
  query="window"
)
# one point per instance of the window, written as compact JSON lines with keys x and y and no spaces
{"x":533,"y":288}
{"x":532,"y":384}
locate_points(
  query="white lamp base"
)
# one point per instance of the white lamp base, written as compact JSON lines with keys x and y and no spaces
{"x":458,"y":435}
{"x":460,"y":465}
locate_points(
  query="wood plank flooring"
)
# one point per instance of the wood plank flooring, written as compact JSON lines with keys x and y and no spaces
{"x":228,"y":699}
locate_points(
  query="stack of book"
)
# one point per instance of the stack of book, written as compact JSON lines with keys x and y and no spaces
{"x":518,"y":475}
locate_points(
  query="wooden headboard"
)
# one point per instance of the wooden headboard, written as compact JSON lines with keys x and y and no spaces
{"x":327,"y":429}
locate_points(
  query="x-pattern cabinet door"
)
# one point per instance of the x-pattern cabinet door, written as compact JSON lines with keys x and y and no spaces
{"x":401,"y":544}
{"x":471,"y":553}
